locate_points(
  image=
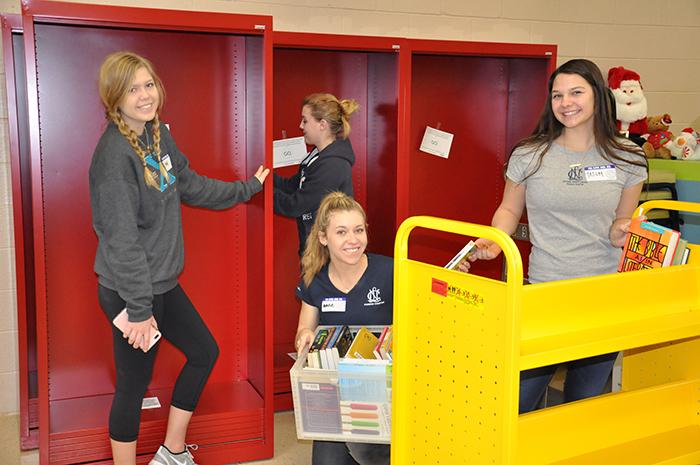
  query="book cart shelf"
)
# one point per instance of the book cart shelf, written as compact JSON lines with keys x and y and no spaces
{"x":461,"y":341}
{"x":223,"y":126}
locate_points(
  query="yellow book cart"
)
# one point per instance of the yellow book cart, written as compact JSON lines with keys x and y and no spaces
{"x":461,"y":341}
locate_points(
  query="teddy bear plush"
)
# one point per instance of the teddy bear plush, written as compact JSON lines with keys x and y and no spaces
{"x":685,"y":146}
{"x":659,"y":137}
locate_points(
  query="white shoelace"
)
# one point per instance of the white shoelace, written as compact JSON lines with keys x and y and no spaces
{"x":189,"y":447}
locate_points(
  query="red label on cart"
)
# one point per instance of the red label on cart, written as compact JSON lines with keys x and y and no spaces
{"x":439,"y":287}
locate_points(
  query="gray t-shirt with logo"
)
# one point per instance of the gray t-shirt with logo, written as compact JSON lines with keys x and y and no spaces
{"x":571,"y":201}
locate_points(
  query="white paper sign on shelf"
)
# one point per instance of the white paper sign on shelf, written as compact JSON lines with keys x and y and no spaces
{"x":436,"y":142}
{"x":287,"y":152}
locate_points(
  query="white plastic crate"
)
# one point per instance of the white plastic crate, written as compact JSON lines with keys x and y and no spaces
{"x":351,"y":404}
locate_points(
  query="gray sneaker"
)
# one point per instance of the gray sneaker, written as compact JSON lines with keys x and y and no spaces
{"x":165,"y":457}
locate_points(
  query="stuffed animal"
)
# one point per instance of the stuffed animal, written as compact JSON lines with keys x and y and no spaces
{"x":630,"y":103}
{"x":686,"y":146}
{"x":659,"y":137}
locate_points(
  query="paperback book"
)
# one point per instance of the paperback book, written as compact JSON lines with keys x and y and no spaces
{"x":333,"y":343}
{"x":649,"y":245}
{"x":461,"y":256}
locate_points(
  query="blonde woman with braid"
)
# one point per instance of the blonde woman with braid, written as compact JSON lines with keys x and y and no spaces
{"x":343,"y":285}
{"x":138,"y":178}
{"x":327,"y":168}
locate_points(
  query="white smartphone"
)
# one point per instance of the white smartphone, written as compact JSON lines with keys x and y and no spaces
{"x":122,"y":319}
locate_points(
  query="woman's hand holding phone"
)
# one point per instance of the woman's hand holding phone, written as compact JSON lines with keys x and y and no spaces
{"x":138,"y":333}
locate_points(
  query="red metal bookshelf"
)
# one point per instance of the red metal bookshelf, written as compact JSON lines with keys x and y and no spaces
{"x":13,"y":57}
{"x":359,"y":67}
{"x":489,"y":95}
{"x":216,"y":69}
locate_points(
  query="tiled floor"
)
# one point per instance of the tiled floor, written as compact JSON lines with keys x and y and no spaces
{"x":9,"y":439}
{"x":288,"y":450}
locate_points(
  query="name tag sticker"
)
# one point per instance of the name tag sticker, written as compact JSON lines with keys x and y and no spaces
{"x":167,"y":163}
{"x":334,"y":304}
{"x":600,"y":173}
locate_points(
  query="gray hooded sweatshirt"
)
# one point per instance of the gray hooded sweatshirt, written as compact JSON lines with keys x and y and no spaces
{"x":140,"y":252}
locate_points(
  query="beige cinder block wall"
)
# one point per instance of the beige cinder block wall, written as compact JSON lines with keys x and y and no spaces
{"x":659,"y":40}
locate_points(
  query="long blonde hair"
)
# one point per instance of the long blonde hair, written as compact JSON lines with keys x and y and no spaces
{"x":116,"y":75}
{"x":335,"y":112}
{"x":316,"y":254}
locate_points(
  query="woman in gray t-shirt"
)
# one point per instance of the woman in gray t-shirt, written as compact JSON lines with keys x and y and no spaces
{"x":580,"y":183}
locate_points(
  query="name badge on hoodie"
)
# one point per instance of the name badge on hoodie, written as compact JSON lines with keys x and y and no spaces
{"x":167,"y":163}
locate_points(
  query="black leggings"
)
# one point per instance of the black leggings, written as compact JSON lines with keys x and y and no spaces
{"x":351,"y":453}
{"x":179,"y":323}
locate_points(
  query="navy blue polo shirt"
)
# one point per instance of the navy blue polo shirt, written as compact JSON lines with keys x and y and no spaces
{"x":370,"y":302}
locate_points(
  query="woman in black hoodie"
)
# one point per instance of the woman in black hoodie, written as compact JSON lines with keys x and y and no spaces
{"x":327,"y":168}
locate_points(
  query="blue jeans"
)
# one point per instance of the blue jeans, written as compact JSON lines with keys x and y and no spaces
{"x":584,"y":378}
{"x":351,"y":453}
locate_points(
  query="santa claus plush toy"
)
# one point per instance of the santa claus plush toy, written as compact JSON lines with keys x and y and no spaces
{"x":631,"y":104}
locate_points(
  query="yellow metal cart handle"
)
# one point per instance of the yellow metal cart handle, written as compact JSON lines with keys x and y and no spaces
{"x":479,"y":336}
{"x":676,"y":205}
{"x":514,"y":263}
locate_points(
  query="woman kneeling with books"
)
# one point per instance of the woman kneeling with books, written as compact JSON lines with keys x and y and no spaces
{"x":342,"y":285}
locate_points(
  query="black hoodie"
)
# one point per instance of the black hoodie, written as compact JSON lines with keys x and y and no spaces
{"x":320,"y":173}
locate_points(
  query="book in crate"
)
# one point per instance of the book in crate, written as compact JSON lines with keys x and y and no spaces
{"x":649,"y":245}
{"x":332,"y":343}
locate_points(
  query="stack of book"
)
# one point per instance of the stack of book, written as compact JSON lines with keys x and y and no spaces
{"x":331,"y":343}
{"x":649,"y":245}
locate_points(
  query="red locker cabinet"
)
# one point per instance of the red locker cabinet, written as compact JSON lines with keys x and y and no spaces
{"x":216,"y":69}
{"x":16,"y":90}
{"x":363,"y":68}
{"x":489,"y":95}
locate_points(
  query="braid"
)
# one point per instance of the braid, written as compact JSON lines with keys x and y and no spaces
{"x":156,"y":147}
{"x":134,"y":142}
